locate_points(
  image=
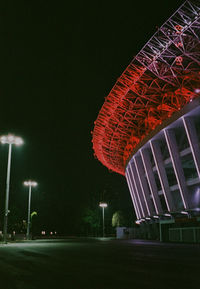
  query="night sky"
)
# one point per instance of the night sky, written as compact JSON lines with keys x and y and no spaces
{"x":58,"y":61}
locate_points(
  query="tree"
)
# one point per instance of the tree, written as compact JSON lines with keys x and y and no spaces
{"x":118,"y":219}
{"x":91,"y":220}
{"x":15,"y":220}
{"x":33,"y":214}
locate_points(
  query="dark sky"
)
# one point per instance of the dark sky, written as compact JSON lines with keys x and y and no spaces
{"x":58,"y":61}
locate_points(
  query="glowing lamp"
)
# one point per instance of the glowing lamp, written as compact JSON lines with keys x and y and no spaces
{"x":11,"y":139}
{"x":30,"y":183}
{"x":103,"y":205}
{"x":184,"y":213}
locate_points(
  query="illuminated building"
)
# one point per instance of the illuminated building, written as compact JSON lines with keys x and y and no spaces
{"x":148,"y":128}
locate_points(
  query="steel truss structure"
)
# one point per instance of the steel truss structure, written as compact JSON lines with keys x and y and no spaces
{"x":160,"y":80}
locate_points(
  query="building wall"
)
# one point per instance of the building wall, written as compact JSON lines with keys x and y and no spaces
{"x":164,"y":174}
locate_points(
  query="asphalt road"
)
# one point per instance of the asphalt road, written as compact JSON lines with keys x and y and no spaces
{"x":99,"y":264}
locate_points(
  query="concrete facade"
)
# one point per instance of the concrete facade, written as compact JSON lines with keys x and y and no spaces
{"x":163,"y":173}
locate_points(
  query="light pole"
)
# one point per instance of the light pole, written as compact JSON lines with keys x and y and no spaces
{"x":29,"y":184}
{"x":103,"y":205}
{"x":10,"y":140}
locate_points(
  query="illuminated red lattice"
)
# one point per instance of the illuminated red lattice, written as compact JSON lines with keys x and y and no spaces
{"x":160,"y":80}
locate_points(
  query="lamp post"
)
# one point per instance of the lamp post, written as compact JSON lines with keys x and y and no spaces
{"x":10,"y":140}
{"x":103,"y":205}
{"x":29,"y":184}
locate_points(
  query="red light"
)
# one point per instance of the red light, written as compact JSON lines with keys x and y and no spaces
{"x":160,"y":80}
{"x":133,"y":109}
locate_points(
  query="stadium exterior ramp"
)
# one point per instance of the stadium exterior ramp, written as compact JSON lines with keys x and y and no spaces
{"x":148,"y":128}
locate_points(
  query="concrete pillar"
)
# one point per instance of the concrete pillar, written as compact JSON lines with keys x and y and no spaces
{"x":157,"y":155}
{"x":132,"y":193}
{"x":176,"y":162}
{"x":151,"y":180}
{"x":193,"y":141}
{"x":138,"y":190}
{"x":143,"y":185}
{"x":137,"y":196}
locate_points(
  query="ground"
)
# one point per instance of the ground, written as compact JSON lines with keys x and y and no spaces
{"x":98,"y":264}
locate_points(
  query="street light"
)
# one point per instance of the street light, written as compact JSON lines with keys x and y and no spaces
{"x":29,"y":184}
{"x":103,"y":205}
{"x":10,"y":140}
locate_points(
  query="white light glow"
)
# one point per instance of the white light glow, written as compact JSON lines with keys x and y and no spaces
{"x":184,"y":213}
{"x":103,"y":205}
{"x":137,"y":222}
{"x":30,"y":183}
{"x":11,"y":139}
{"x":18,"y":141}
{"x":197,"y":209}
{"x":3,"y":139}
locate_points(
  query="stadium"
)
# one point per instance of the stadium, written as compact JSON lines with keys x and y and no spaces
{"x":148,"y":128}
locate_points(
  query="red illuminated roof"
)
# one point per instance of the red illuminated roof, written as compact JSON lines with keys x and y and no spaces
{"x":160,"y":80}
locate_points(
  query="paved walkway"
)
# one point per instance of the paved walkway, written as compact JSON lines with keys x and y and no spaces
{"x":98,"y":264}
